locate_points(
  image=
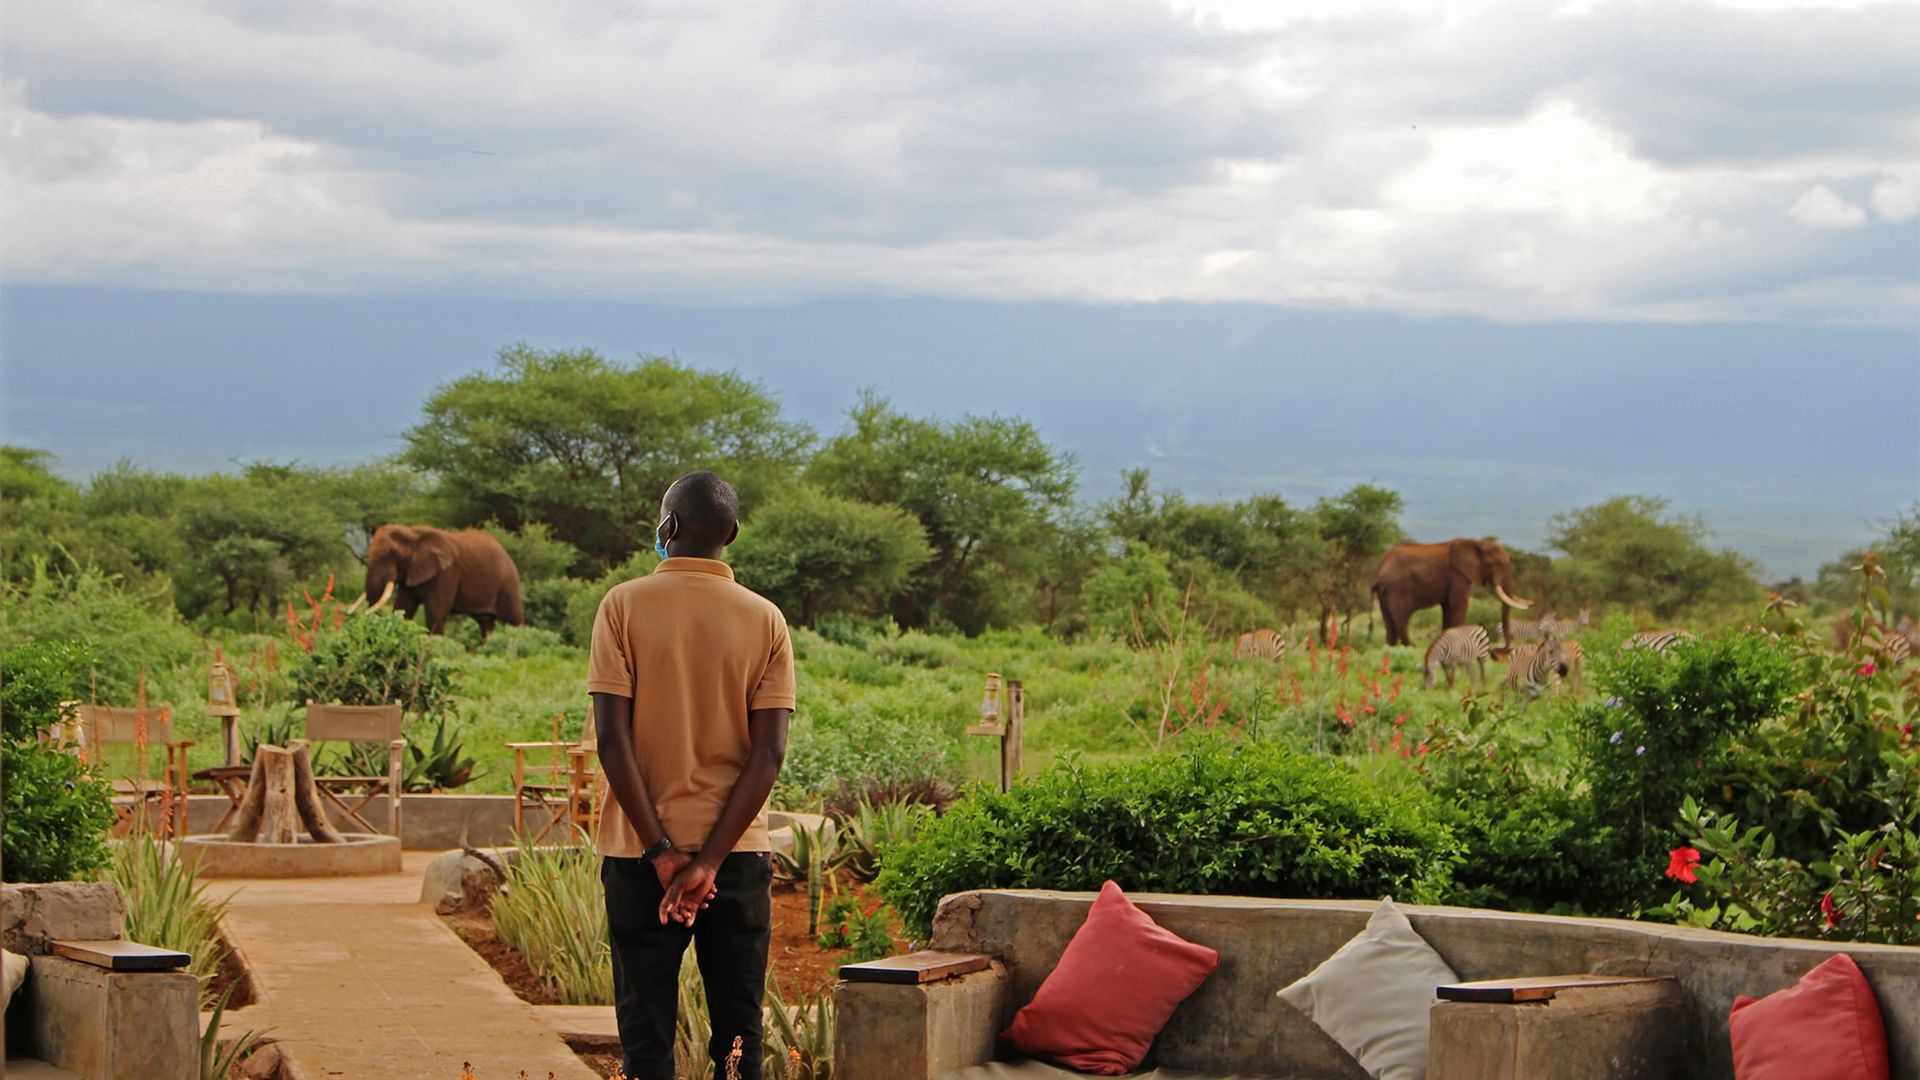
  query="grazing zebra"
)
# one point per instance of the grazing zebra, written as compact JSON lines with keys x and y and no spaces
{"x":1530,"y":629}
{"x":1564,"y":627}
{"x":1533,"y":668}
{"x":1896,"y":647}
{"x":1454,"y":648}
{"x":1575,"y":657}
{"x":1261,"y":645}
{"x":1657,"y":640}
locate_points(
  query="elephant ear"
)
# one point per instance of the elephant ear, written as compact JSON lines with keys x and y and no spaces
{"x":432,"y":555}
{"x":1466,"y":560}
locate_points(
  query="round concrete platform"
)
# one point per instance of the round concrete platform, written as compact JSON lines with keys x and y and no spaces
{"x":359,"y":853}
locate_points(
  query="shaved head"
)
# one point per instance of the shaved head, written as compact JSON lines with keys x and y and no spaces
{"x":705,"y":510}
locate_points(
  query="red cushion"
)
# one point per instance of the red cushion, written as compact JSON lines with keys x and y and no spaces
{"x":1827,"y":1025}
{"x":1119,"y":980}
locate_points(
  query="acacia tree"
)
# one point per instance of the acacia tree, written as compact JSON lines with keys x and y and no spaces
{"x":1356,"y":528}
{"x":981,"y":486}
{"x":1630,"y":552}
{"x":816,"y":554}
{"x":588,"y":446}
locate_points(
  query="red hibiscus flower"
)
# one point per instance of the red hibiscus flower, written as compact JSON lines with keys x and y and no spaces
{"x":1867,"y":669}
{"x":1680,"y":864}
{"x":1829,"y":910}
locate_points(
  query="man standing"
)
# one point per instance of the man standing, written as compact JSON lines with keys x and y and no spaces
{"x":691,"y":676}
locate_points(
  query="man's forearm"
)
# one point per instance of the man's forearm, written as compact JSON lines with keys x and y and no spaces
{"x":613,"y":719}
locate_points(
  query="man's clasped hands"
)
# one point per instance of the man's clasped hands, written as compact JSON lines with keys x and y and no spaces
{"x":688,"y":881}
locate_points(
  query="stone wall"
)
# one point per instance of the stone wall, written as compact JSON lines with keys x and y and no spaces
{"x":1234,"y":1023}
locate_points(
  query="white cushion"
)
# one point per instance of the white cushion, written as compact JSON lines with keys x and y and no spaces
{"x":1373,"y":995}
{"x":15,"y":968}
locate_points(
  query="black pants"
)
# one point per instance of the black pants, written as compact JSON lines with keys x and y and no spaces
{"x":729,"y":943}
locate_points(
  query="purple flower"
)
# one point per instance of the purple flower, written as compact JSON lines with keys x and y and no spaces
{"x":1638,"y":750}
{"x":1615,"y":703}
{"x":1614,"y":738}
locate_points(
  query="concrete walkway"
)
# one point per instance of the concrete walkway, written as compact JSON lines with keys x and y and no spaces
{"x":359,"y":980}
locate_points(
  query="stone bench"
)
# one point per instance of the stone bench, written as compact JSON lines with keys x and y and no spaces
{"x":93,"y":1021}
{"x":1236,"y":1026}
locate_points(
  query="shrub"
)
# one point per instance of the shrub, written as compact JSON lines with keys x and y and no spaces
{"x":1212,"y":817}
{"x":870,"y":744}
{"x":915,"y":649}
{"x":1670,"y":727}
{"x":167,"y":905}
{"x":514,"y":642}
{"x":56,"y":816}
{"x":127,"y":630}
{"x":554,"y":913}
{"x":372,"y":659}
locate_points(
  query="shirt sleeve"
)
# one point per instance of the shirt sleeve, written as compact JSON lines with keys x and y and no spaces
{"x":775,"y":689}
{"x":609,"y":668}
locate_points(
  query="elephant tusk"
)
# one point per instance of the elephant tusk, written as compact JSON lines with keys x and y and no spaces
{"x":384,"y":597}
{"x":1510,"y":601}
{"x":357,"y":601}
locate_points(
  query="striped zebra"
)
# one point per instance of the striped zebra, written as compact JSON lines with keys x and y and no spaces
{"x":1455,"y":648}
{"x":1897,"y":648}
{"x":1261,"y":645}
{"x":1530,"y":629}
{"x":1657,"y":640}
{"x":1576,"y":658}
{"x":1533,"y":668}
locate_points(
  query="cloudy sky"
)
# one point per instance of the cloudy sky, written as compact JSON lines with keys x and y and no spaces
{"x":1681,"y":223}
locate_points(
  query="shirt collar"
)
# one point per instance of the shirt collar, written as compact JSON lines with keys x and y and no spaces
{"x":681,"y":564}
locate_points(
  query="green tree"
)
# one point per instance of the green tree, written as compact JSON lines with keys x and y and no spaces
{"x":982,"y":486}
{"x":1899,"y":551}
{"x":1628,"y":551}
{"x":253,"y":539}
{"x":1356,"y":528}
{"x":816,"y":554}
{"x":36,"y":511}
{"x":588,"y":446}
{"x":1134,"y":599}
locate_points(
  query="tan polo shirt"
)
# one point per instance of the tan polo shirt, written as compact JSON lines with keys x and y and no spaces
{"x":695,"y":651}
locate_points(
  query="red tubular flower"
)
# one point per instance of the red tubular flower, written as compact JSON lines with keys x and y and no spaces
{"x":1340,"y":710}
{"x":1384,"y":658}
{"x":1680,"y":864}
{"x":1829,"y":910}
{"x":1867,"y":669}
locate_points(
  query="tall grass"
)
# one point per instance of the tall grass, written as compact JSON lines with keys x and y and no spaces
{"x":554,"y":913}
{"x":167,"y":905}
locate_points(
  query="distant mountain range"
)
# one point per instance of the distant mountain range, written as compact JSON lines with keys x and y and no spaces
{"x":1793,"y":442}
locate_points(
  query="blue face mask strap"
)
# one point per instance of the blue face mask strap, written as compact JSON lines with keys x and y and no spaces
{"x":659,"y":545}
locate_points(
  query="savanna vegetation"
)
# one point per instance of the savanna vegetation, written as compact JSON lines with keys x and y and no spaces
{"x":1758,"y":775}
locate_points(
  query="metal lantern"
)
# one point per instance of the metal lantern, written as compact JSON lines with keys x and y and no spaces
{"x":222,"y":700}
{"x":990,"y":704}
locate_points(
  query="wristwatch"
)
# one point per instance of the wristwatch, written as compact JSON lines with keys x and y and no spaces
{"x":660,"y":847}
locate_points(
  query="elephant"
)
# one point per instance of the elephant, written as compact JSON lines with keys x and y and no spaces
{"x":449,"y":573}
{"x":1415,"y":576}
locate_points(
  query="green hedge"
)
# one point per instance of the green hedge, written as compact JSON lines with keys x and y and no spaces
{"x":1211,"y":817}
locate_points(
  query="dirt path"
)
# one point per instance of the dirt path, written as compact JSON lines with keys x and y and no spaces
{"x":360,"y":981}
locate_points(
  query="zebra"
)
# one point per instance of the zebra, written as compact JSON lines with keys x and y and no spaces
{"x":1897,"y":648}
{"x":1657,"y":640}
{"x":1576,"y":656}
{"x":1530,"y":629}
{"x":1261,"y":645}
{"x":1453,"y":649}
{"x":1533,"y":668}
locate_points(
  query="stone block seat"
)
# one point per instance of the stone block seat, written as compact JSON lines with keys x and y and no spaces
{"x":1234,"y":1025}
{"x":86,"y":1014}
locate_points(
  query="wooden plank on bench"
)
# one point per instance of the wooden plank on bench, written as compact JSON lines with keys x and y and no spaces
{"x":121,"y":955}
{"x":920,"y":967}
{"x":1534,"y":988}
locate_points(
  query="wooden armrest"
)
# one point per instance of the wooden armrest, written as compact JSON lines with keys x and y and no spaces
{"x":121,"y":955}
{"x":920,"y":967}
{"x":1535,"y":987}
{"x":540,"y":745}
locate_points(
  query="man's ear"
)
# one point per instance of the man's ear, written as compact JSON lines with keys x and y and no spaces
{"x":732,"y":535}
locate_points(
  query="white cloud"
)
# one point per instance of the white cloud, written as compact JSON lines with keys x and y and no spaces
{"x":1893,"y":199}
{"x":1820,"y":208}
{"x":1486,"y":158}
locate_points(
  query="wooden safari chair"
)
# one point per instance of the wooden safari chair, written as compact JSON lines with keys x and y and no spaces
{"x":378,"y":724}
{"x":560,"y":791}
{"x":102,"y":726}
